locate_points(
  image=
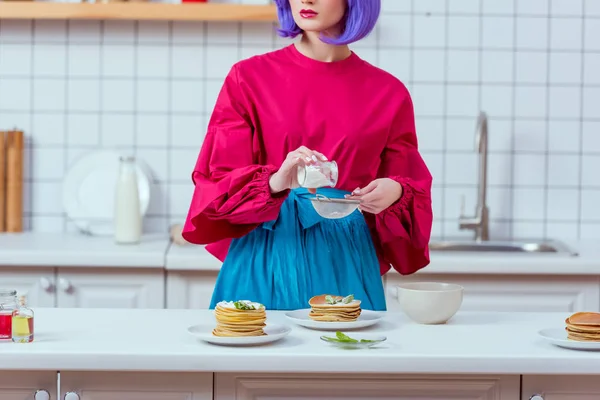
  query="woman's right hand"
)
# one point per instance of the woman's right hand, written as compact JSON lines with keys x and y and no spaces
{"x":287,"y":175}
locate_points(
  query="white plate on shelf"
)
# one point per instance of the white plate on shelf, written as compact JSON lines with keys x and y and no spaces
{"x":558,"y":337}
{"x":89,"y":190}
{"x":366,"y":318}
{"x":273,"y":332}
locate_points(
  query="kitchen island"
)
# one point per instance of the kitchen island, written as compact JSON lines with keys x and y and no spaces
{"x":474,"y":356}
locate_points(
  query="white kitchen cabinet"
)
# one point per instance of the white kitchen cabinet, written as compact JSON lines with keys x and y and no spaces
{"x":23,"y":385}
{"x":513,"y":293}
{"x":190,"y":289}
{"x":110,"y":288}
{"x":364,"y":387}
{"x":38,"y":284}
{"x":137,"y":386}
{"x":560,"y":387}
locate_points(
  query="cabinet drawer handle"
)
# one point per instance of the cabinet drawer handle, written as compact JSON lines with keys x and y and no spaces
{"x":536,"y":397}
{"x":65,"y":285}
{"x":45,"y":284}
{"x":71,"y":396}
{"x":41,"y":394}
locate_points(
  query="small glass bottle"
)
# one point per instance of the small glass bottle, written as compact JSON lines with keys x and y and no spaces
{"x":128,"y":219}
{"x":8,"y":303}
{"x":22,"y":322}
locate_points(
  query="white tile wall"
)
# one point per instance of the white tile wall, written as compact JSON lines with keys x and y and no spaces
{"x":149,"y":87}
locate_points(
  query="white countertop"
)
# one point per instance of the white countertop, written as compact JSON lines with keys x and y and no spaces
{"x":156,"y":340}
{"x":156,"y":251}
{"x":192,"y":257}
{"x":76,"y":250}
{"x":587,"y":262}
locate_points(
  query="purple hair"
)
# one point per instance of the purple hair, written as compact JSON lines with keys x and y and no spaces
{"x":359,"y":20}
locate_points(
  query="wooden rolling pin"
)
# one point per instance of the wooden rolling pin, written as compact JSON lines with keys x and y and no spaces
{"x":2,"y":182}
{"x":14,"y":181}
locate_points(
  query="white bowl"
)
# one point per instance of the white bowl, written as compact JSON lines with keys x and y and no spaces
{"x":429,"y":302}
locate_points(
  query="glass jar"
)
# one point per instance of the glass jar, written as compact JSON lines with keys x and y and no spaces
{"x":321,"y":174}
{"x":22,"y":322}
{"x":8,"y":303}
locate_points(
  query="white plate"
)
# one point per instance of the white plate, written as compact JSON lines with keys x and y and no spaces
{"x":558,"y":337}
{"x":375,"y":340}
{"x":273,"y":332}
{"x":366,"y":318}
{"x":89,"y":190}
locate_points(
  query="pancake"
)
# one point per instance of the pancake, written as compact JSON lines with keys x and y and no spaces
{"x":583,"y":327}
{"x":228,"y":333}
{"x":333,"y":317}
{"x":239,"y":318}
{"x":327,"y":300}
{"x":584,"y":318}
{"x":583,"y":337}
{"x":333,"y":308}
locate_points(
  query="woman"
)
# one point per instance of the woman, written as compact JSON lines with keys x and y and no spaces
{"x":313,"y":100}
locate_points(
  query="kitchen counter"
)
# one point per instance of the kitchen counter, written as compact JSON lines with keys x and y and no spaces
{"x":156,"y":251}
{"x":76,"y":250}
{"x":156,"y":340}
{"x":192,"y":257}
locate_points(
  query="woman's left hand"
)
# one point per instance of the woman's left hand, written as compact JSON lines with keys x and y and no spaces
{"x":377,"y":195}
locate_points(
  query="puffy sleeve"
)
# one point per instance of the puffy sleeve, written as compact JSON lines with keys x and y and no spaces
{"x":231,"y":189}
{"x":403,"y":230}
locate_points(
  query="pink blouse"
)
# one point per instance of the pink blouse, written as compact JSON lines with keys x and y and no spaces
{"x":354,"y":113}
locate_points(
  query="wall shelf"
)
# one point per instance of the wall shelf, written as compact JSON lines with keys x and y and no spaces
{"x":137,"y":11}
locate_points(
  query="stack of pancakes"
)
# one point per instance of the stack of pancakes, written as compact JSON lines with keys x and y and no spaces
{"x":235,"y":322}
{"x":323,"y":310}
{"x":583,"y":327}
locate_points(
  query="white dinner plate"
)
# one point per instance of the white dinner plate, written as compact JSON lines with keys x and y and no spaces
{"x":366,"y":318}
{"x":558,"y":337}
{"x":273,"y":332}
{"x":89,"y":190}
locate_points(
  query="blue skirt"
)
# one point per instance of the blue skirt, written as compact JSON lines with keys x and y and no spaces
{"x":283,"y":263}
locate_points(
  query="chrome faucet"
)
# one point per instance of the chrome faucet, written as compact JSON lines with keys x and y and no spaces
{"x":480,"y":222}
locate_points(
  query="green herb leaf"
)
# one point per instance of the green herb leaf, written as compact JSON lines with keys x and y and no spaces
{"x":329,"y":299}
{"x":243,"y":306}
{"x":340,"y":335}
{"x":348,"y":299}
{"x":343,"y":338}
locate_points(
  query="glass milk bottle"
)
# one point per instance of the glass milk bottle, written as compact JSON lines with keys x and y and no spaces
{"x":128,"y":218}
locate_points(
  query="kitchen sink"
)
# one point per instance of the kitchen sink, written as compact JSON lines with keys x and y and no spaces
{"x":491,"y":246}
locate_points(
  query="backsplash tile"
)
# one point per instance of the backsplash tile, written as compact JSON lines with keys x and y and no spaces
{"x":148,"y":88}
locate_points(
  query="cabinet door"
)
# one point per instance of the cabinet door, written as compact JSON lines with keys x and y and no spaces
{"x":562,"y":387}
{"x":190,"y":289}
{"x":110,"y":288}
{"x":39,"y":284}
{"x":137,"y":386}
{"x":23,"y":385}
{"x":364,"y":387}
{"x":513,"y":293}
